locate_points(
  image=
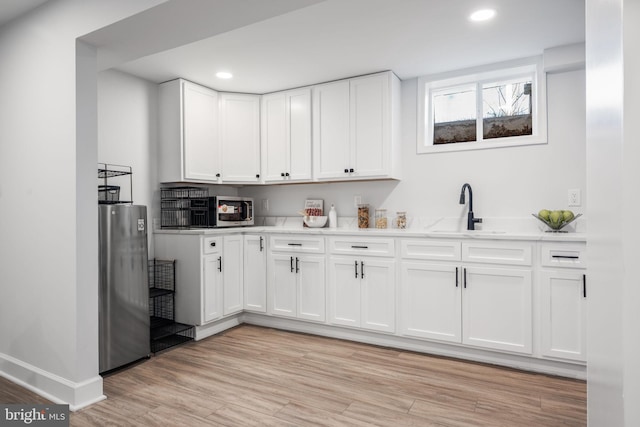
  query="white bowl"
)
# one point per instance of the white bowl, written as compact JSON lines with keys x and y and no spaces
{"x":315,"y":221}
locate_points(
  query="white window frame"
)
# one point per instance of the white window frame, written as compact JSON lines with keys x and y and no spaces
{"x":478,"y":76}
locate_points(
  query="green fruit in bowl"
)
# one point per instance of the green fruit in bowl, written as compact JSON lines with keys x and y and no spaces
{"x":556,"y":217}
{"x":567,"y":216}
{"x":544,"y":214}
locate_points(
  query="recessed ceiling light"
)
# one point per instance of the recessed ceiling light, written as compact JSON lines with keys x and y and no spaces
{"x":482,"y":15}
{"x":223,"y":75}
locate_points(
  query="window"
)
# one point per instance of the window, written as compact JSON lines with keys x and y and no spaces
{"x":491,"y":108}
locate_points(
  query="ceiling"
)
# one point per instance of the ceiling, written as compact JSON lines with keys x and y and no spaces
{"x":11,"y":9}
{"x":271,"y":45}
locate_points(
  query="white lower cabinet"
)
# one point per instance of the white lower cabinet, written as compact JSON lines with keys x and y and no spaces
{"x":362,"y":293}
{"x":209,"y":275}
{"x":563,"y":314}
{"x":362,"y":283}
{"x":296,"y":279}
{"x":430,"y":296}
{"x":255,"y":273}
{"x":489,"y":307}
{"x":211,"y":287}
{"x":563,"y":302}
{"x":496,"y":308}
{"x":232,"y":274}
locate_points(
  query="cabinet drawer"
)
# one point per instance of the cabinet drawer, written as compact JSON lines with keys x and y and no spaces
{"x":563,"y":255}
{"x":294,"y":243}
{"x":211,"y":245}
{"x":497,"y":253}
{"x":362,"y":246}
{"x":440,"y":250}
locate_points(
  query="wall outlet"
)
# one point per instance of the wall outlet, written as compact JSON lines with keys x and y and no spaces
{"x":574,"y":197}
{"x":357,"y":200}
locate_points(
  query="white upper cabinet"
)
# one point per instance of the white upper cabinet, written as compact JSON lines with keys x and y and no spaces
{"x":356,"y":129}
{"x":286,"y":136}
{"x":189,"y":145}
{"x":206,"y":136}
{"x":331,"y":148}
{"x":240,"y":137}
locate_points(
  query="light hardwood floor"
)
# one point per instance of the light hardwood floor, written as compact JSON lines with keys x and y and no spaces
{"x":253,"y":376}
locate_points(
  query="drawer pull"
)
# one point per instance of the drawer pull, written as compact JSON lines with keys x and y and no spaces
{"x":212,"y":244}
{"x":294,"y":244}
{"x":359,"y":247}
{"x":566,"y":256}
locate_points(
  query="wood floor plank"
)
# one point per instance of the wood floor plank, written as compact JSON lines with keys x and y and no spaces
{"x":254,"y":376}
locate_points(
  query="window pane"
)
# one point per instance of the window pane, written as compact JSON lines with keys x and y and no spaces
{"x":454,"y":112}
{"x":506,"y":109}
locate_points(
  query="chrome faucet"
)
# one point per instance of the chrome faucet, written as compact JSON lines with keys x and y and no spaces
{"x":471,"y":221}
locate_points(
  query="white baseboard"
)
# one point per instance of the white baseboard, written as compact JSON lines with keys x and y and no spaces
{"x":216,"y":327}
{"x":51,"y":386}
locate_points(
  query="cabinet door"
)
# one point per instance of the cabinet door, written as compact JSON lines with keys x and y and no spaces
{"x":430,"y":301}
{"x":240,"y":137}
{"x":299,"y":134}
{"x":378,"y":294}
{"x":370,"y":125}
{"x":563,"y":314}
{"x":255,"y":274}
{"x":232,"y":274}
{"x":331,"y":147}
{"x":311,"y":287}
{"x":201,"y":149}
{"x":212,"y":288}
{"x":496,"y":308}
{"x":275,"y":149}
{"x":282,"y":285}
{"x":344,"y":291}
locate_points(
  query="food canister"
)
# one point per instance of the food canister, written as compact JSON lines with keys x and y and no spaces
{"x":381,"y":218}
{"x":401,"y":220}
{"x":363,"y":216}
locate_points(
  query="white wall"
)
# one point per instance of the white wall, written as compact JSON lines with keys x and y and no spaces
{"x":507,"y":182}
{"x":48,"y":209}
{"x":613,"y":108}
{"x":127,"y":135}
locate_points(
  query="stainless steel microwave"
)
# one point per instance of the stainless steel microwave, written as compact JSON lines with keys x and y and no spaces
{"x":230,"y":211}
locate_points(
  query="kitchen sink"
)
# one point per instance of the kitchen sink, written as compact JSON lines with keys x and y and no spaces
{"x":469,"y":232}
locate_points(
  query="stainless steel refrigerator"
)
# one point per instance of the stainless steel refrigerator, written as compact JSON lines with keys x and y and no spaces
{"x":124,"y":288}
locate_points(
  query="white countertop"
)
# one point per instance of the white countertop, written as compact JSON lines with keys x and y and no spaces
{"x":414,"y":232}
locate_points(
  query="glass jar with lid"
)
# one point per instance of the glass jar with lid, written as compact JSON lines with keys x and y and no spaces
{"x":401,"y":220}
{"x":363,"y":216}
{"x":381,"y":218}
